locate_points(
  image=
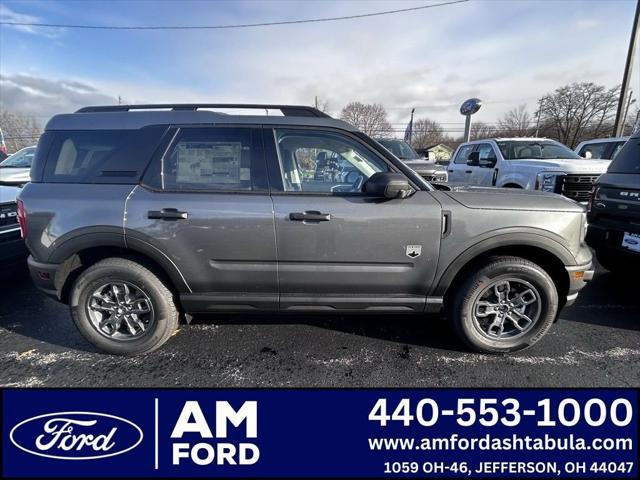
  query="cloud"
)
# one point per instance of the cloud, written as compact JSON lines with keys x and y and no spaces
{"x":506,"y":53}
{"x":586,"y":24}
{"x":42,"y":97}
{"x":8,"y":15}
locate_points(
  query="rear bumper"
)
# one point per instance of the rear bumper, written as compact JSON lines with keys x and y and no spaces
{"x":12,"y":249}
{"x":44,"y":277}
{"x":579,"y":276}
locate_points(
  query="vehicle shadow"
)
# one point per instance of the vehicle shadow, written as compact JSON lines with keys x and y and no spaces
{"x":26,"y":312}
{"x":610,"y":300}
{"x":430,"y":330}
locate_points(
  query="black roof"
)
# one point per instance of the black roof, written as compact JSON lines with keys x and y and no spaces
{"x":129,"y":117}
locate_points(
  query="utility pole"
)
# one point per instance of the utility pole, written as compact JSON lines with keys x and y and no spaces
{"x":626,"y":110}
{"x":539,"y":113}
{"x":626,"y":79}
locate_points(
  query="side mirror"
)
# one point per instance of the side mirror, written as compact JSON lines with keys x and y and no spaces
{"x":387,"y":185}
{"x":488,"y":163}
{"x":473,"y":160}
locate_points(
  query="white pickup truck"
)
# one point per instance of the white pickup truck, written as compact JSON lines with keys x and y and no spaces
{"x":528,"y":163}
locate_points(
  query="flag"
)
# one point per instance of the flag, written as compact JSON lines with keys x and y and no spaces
{"x":409,"y":130}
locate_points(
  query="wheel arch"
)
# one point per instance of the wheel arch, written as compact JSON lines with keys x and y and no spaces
{"x":552,"y":258}
{"x":76,"y":261}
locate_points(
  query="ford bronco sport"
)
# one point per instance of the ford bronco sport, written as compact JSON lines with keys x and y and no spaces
{"x":614,"y":212}
{"x":139,"y":215}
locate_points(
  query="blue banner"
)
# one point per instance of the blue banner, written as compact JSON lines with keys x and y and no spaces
{"x":521,"y":433}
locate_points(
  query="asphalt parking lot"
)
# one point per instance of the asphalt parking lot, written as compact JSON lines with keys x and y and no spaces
{"x":595,"y":344}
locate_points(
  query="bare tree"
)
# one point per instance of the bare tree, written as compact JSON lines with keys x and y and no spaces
{"x":426,"y":133}
{"x":19,"y":130}
{"x":481,"y":130}
{"x":369,"y":118}
{"x":322,"y":105}
{"x":517,"y":122}
{"x":633,"y":120}
{"x":579,"y":111}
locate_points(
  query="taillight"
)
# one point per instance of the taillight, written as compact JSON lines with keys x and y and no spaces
{"x":22,"y":219}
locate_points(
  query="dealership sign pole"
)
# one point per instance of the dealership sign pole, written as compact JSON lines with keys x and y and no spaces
{"x":468,"y":108}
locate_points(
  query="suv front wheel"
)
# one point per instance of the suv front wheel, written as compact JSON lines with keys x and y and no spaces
{"x":122,"y":307}
{"x":505,"y":305}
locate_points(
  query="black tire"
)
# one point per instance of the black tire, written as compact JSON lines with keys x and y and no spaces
{"x":615,"y":262}
{"x":163,"y":306}
{"x":460,"y":306}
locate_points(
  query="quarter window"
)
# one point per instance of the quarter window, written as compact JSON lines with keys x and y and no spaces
{"x":100,"y":156}
{"x":324,"y":162}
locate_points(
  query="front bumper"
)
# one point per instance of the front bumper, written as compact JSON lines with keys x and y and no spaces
{"x":579,"y":276}
{"x":44,"y":277}
{"x":610,"y":237}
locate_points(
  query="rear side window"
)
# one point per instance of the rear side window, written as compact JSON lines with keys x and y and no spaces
{"x":463,"y":154}
{"x":100,"y":156}
{"x":628,"y":160}
{"x":598,"y":150}
{"x":214,"y":159}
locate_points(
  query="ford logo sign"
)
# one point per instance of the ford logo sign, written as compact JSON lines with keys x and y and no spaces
{"x":76,"y":435}
{"x":471,"y":106}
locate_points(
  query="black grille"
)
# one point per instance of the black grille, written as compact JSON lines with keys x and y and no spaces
{"x":435,"y":177}
{"x":578,"y":187}
{"x":8,"y":215}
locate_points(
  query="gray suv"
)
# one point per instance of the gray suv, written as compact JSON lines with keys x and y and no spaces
{"x":139,"y":216}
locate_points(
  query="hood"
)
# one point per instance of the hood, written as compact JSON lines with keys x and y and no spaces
{"x":15,"y":175}
{"x":565,"y":165}
{"x":422,"y":165}
{"x":8,"y":194}
{"x":512,"y":199}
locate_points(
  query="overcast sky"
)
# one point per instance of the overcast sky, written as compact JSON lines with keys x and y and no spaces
{"x":506,"y":52}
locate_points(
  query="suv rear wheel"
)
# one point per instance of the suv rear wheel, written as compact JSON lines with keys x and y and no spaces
{"x":506,"y":305}
{"x":123,"y":307}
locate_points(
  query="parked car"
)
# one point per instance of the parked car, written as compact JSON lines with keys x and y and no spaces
{"x":429,"y":170}
{"x":12,"y":248}
{"x":3,"y":147}
{"x":135,"y":217}
{"x":14,"y":170}
{"x":604,"y":148}
{"x":527,"y":163}
{"x":614,"y":212}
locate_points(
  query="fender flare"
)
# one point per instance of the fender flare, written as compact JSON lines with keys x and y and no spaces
{"x":81,"y":242}
{"x":523,"y":239}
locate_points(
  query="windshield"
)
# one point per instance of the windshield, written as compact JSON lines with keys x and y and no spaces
{"x":20,"y":159}
{"x":536,"y":149}
{"x":628,"y":160}
{"x":400,"y":149}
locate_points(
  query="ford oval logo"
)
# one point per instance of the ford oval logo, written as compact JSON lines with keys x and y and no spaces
{"x":76,"y":435}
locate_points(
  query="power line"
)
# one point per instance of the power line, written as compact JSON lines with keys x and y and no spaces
{"x":219,"y":27}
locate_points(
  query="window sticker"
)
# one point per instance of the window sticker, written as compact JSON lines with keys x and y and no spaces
{"x":209,"y":162}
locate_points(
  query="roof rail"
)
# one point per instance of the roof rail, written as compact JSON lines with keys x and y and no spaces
{"x":287,"y":110}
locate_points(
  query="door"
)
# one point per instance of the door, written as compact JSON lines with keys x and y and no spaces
{"x":206,"y":206}
{"x":458,"y":170}
{"x":487,"y":158}
{"x":339,"y":249}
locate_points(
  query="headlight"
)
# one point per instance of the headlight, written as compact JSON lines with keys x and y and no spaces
{"x":547,"y":182}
